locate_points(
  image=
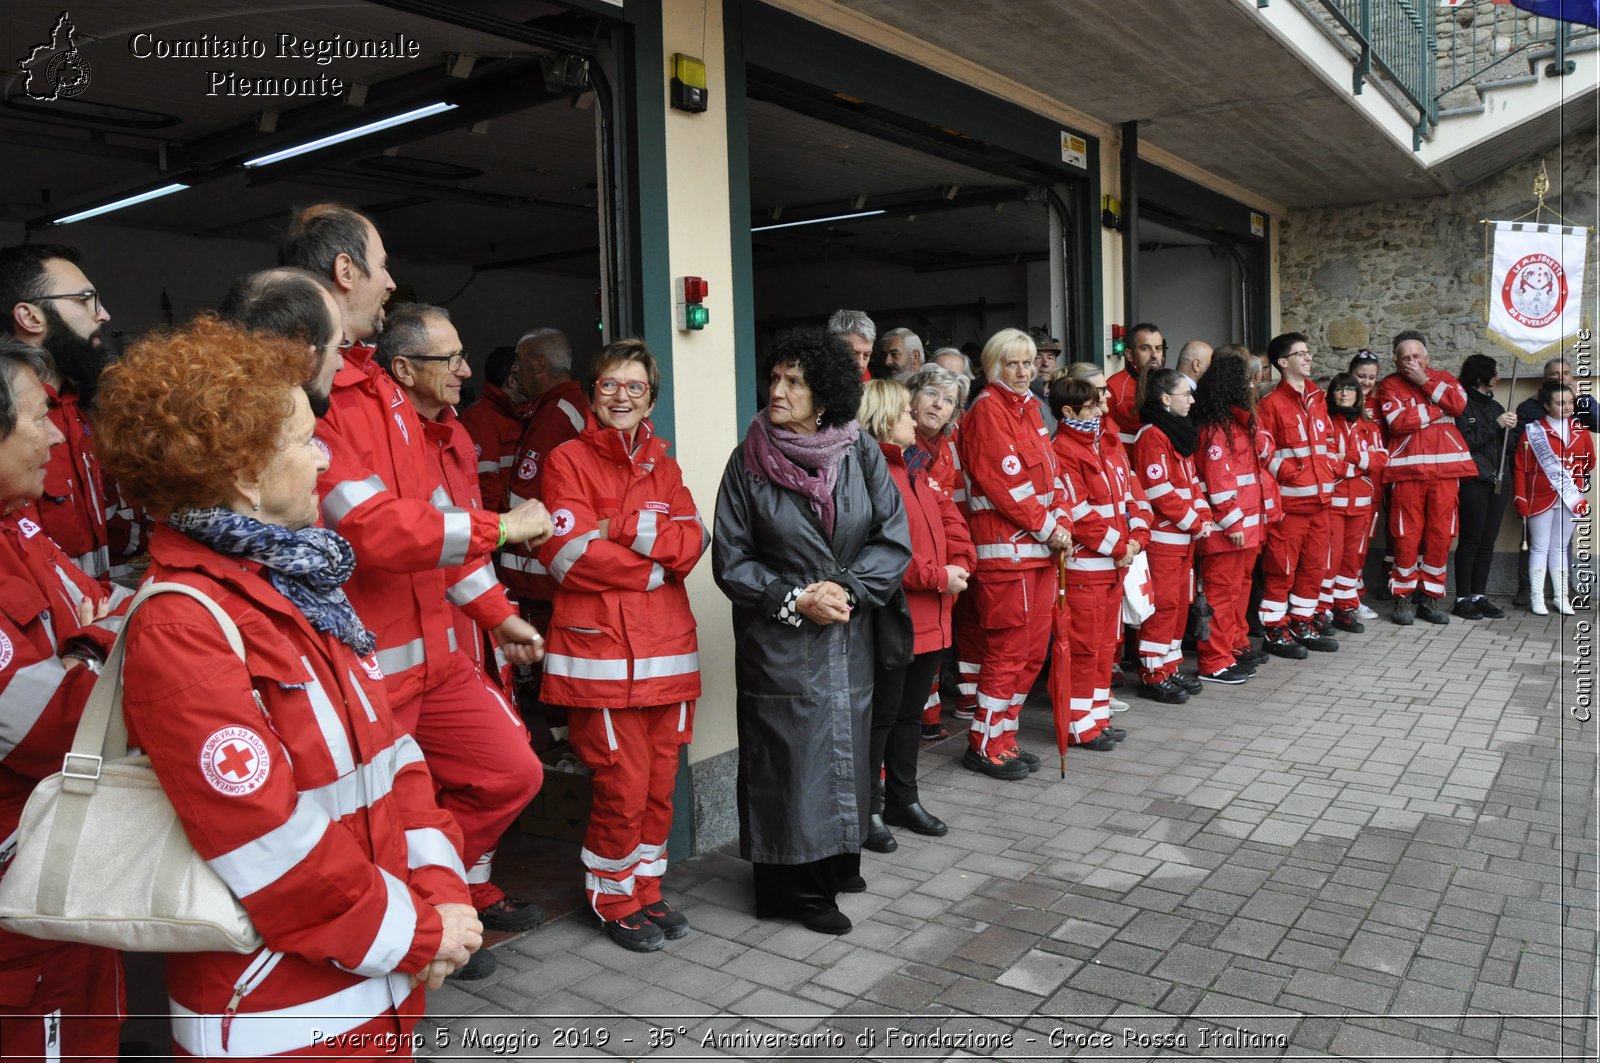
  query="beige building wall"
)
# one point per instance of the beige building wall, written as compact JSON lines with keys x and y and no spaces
{"x":705,"y":399}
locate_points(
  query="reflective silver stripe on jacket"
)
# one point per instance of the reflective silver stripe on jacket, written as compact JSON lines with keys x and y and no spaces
{"x":488,"y":468}
{"x":478,"y":582}
{"x":395,"y":933}
{"x":282,"y":1030}
{"x":346,"y":496}
{"x":586,"y":668}
{"x":396,"y":659}
{"x":257,"y":864}
{"x":1169,"y":538}
{"x":662,"y":667}
{"x":519,"y":563}
{"x":368,"y":783}
{"x":573,"y":414}
{"x":96,"y":562}
{"x":429,"y":847}
{"x":334,"y":735}
{"x":457,"y":537}
{"x":569,"y":554}
{"x":1009,"y":550}
{"x":25,"y":698}
{"x":645,"y":540}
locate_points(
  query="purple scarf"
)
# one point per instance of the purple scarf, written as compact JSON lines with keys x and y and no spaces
{"x":806,"y":465}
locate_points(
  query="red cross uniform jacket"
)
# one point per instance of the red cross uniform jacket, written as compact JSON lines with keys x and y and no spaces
{"x":451,"y":450}
{"x":73,"y":507}
{"x":1122,"y":407}
{"x":1361,"y":457}
{"x":943,"y":462}
{"x":622,"y":635}
{"x":558,"y":416}
{"x":40,"y":698}
{"x":1301,"y":461}
{"x":1012,"y":508}
{"x":294,"y":783}
{"x":1424,"y":442}
{"x":495,"y":424}
{"x":384,"y":494}
{"x":939,"y":537}
{"x":1169,"y":483}
{"x":1231,"y":476}
{"x":1101,"y":504}
{"x":1575,"y":452}
{"x":1114,"y":458}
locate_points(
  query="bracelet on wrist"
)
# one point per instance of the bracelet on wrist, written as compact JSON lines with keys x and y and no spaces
{"x":501,"y":541}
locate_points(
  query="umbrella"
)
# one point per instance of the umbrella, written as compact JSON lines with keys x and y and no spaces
{"x":1061,"y":661}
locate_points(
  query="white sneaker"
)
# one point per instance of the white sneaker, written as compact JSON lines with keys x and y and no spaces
{"x":1118,"y":705}
{"x":1365,"y":613}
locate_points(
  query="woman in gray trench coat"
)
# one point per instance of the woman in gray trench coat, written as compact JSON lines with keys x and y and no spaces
{"x":811,"y":542}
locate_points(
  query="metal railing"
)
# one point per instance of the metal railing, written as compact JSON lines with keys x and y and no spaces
{"x":1485,"y":41}
{"x":1396,"y":39}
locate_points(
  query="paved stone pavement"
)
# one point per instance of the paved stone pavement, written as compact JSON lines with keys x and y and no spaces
{"x":1388,"y":852}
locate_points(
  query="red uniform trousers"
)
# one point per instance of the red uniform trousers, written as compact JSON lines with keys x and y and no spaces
{"x":1422,"y":513}
{"x":1226,"y":578}
{"x":477,"y":749}
{"x":59,"y":1000}
{"x":1094,"y":619}
{"x":967,"y":632}
{"x":1293,"y":562}
{"x":1014,"y":612}
{"x":1172,"y":587}
{"x":634,"y":754}
{"x":1348,"y":540}
{"x":933,"y":708}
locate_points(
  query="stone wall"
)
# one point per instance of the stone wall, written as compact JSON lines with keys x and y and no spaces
{"x":1352,"y":277}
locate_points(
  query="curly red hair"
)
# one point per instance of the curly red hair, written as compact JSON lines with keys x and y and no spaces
{"x":186,"y":411}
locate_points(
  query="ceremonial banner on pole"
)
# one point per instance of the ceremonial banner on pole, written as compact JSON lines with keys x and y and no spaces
{"x":1536,"y":286}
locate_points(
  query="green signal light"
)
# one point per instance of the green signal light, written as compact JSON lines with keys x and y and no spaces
{"x":696,"y":316}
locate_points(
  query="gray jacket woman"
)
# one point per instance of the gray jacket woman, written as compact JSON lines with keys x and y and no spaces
{"x":811,"y":540}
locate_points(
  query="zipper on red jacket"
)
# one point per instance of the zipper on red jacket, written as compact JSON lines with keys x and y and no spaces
{"x":253,"y":976}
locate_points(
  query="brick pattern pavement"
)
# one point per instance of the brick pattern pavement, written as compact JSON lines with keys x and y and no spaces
{"x":1388,"y":851}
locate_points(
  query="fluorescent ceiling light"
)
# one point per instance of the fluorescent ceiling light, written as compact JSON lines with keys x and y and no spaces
{"x":351,"y":134}
{"x":107,"y":208}
{"x":817,"y":221}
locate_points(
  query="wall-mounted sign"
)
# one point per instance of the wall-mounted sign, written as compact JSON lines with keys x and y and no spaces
{"x":1074,"y":150}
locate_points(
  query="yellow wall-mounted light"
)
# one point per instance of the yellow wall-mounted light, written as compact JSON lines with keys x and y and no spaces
{"x":689,"y":91}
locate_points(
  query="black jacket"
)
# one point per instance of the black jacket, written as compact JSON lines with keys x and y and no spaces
{"x":805,"y":693}
{"x":1484,"y":438}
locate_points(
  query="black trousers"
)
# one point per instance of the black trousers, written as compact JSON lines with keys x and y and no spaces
{"x":1482,"y":509}
{"x":898,"y":695}
{"x":787,"y":890}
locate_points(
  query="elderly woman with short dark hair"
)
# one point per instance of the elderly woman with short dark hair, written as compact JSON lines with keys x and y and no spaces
{"x":811,"y":542}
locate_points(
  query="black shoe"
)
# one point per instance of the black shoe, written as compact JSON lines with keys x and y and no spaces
{"x":1520,"y":598}
{"x":508,"y":913}
{"x":1250,"y":658}
{"x":1116,"y":734}
{"x":1191,"y":683}
{"x":1405,"y":614}
{"x":879,"y":838}
{"x":915,"y":818}
{"x":933,"y":732}
{"x":1345,"y":620}
{"x":1100,"y":743}
{"x":481,"y":965}
{"x":1322,"y":621}
{"x":1030,"y":759}
{"x":826,"y":921}
{"x":1231,"y":676}
{"x":635,"y":932}
{"x":994,"y":767}
{"x":1280,"y":643}
{"x":1488,"y":609}
{"x":1467,"y":609}
{"x":1166,"y":691}
{"x":1428,"y":609}
{"x":853,"y":884}
{"x":1305,"y":633}
{"x":673,"y":923}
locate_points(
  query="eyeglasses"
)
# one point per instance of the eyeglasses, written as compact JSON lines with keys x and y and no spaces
{"x":1365,"y":356}
{"x":88,"y":296}
{"x":1104,"y":392}
{"x":453,"y":362}
{"x":609,"y":385}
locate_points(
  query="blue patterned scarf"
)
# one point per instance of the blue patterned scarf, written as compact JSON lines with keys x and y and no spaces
{"x":309,"y":567}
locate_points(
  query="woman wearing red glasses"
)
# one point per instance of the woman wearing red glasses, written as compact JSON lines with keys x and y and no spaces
{"x":621,"y":647}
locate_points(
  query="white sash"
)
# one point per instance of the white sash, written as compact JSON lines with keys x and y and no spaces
{"x":1558,"y":474}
